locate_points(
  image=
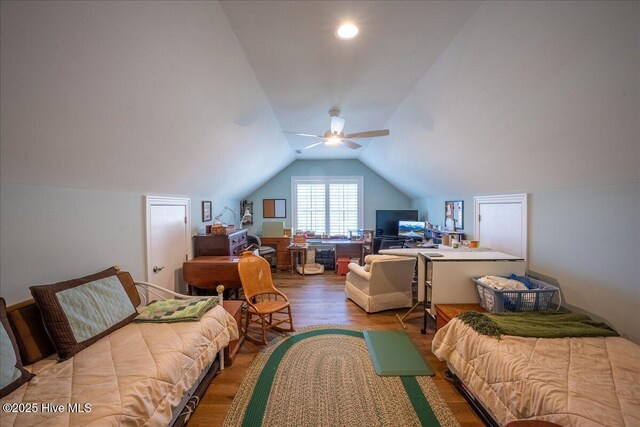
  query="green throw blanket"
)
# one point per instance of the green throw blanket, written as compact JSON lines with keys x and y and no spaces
{"x":176,"y":310}
{"x":536,"y":324}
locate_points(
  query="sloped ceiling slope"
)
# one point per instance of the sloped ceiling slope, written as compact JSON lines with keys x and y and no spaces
{"x":136,"y":96}
{"x":305,"y":70}
{"x":529,"y":95}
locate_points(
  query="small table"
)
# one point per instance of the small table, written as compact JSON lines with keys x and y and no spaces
{"x":207,"y":272}
{"x":446,"y":312}
{"x":234,"y":308}
{"x":296,"y":251}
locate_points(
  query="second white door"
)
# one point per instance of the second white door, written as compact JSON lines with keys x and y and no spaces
{"x":501,"y":223}
{"x":168,"y":239}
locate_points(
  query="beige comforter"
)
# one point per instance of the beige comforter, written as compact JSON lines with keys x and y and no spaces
{"x":134,"y":376}
{"x":569,"y":381}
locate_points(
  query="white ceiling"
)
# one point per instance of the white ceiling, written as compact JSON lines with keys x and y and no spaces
{"x":305,"y":70}
{"x":192,"y":97}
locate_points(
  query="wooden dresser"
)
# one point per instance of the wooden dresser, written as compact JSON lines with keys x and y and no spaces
{"x":281,"y":244}
{"x":232,"y":244}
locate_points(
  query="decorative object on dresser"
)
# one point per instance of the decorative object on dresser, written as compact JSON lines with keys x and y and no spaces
{"x":453,"y":215}
{"x":224,"y":211}
{"x":207,"y":207}
{"x":224,"y":244}
{"x":274,"y":208}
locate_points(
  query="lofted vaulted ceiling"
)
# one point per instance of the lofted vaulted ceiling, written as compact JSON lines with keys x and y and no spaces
{"x":193,"y":97}
{"x":305,"y":70}
{"x":479,"y":97}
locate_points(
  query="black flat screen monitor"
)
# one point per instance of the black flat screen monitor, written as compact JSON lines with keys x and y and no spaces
{"x":387,"y":220}
{"x":411,"y":229}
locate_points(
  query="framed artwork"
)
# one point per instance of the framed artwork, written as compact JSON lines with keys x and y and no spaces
{"x":246,"y":210}
{"x":206,"y":210}
{"x":454,"y":215}
{"x":274,"y":208}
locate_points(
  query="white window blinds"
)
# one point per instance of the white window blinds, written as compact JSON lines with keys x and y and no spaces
{"x":311,"y":207}
{"x":327,"y":205}
{"x":343,"y":208}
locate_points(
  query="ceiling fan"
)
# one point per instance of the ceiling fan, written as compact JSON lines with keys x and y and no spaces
{"x":335,"y":136}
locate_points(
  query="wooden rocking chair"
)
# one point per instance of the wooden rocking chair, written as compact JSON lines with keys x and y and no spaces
{"x":263,"y":299}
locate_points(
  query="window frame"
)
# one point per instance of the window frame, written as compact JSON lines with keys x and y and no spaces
{"x":326,"y":180}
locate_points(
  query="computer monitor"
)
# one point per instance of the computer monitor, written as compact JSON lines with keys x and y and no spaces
{"x":387,"y":221}
{"x":411,"y":229}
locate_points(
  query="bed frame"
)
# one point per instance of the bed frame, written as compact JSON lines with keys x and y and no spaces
{"x":475,"y":403}
{"x":190,"y":401}
{"x":144,"y":290}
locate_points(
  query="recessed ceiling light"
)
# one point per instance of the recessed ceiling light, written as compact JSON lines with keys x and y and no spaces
{"x":347,"y":31}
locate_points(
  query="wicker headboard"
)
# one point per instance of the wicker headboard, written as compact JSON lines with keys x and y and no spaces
{"x":31,"y":335}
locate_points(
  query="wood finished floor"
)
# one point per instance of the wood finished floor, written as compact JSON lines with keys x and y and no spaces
{"x":315,"y":300}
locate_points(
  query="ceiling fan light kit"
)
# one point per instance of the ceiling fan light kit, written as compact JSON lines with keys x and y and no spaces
{"x":335,"y":136}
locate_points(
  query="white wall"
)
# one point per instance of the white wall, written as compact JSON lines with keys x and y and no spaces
{"x":132,"y":96}
{"x":51,"y":234}
{"x":544,"y":98}
{"x":103,"y":102}
{"x":378,"y":193}
{"x":529,"y":95}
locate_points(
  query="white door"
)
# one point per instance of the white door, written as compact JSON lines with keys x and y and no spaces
{"x":501,"y":223}
{"x":168,"y":239}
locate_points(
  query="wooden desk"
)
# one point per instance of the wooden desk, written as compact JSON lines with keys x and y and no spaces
{"x":349,"y":249}
{"x":281,"y":244}
{"x":234,"y":308}
{"x":207,"y":272}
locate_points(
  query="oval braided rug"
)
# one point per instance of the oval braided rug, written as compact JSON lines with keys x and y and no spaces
{"x":323,"y":376}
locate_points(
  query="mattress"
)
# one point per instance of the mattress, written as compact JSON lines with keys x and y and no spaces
{"x":134,"y":376}
{"x":568,"y":381}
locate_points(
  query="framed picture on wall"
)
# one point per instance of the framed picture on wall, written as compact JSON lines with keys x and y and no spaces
{"x":454,"y":215}
{"x":206,"y":210}
{"x":274,"y":208}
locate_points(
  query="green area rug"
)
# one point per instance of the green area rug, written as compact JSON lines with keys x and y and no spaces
{"x":393,"y":353}
{"x":323,"y":376}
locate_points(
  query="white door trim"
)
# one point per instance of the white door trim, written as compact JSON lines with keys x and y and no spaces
{"x":165,"y":201}
{"x":503,"y":198}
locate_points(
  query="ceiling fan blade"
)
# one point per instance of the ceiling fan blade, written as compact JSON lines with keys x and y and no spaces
{"x":351,"y":144}
{"x":313,"y":145}
{"x":368,"y":134}
{"x":337,"y":124}
{"x":304,"y":134}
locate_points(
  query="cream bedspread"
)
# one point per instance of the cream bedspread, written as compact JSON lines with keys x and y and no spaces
{"x":569,"y":381}
{"x":134,"y":376}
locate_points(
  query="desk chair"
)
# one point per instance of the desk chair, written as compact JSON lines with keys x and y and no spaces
{"x":266,"y":252}
{"x":262,"y":297}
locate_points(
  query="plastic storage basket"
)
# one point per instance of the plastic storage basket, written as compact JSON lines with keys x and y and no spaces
{"x":498,"y":301}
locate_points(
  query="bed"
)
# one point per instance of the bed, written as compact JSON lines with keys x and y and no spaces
{"x":568,"y":381}
{"x":139,"y":374}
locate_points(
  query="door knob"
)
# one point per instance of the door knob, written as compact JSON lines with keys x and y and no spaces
{"x":156,"y":269}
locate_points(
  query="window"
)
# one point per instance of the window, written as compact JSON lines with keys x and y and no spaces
{"x":327,"y":205}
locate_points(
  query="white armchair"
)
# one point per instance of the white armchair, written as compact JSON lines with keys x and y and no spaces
{"x":383,"y":283}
